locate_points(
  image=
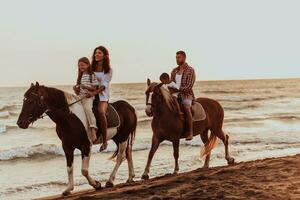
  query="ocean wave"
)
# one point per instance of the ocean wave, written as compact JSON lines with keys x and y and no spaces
{"x":246,"y":119}
{"x":9,"y":107}
{"x":42,"y":150}
{"x":4,"y":115}
{"x":2,"y":129}
{"x":11,"y":127}
{"x":52,"y":150}
{"x":12,"y":113}
{"x":37,"y":186}
{"x":29,"y":152}
{"x":231,"y":99}
{"x":287,"y":117}
{"x":47,"y":151}
{"x":222,"y":92}
{"x":232,"y":108}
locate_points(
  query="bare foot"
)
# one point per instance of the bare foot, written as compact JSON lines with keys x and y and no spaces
{"x":103,"y":146}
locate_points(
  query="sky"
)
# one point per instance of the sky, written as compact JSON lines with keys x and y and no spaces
{"x":224,"y":40}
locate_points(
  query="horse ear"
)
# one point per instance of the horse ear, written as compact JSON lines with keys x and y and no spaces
{"x":37,"y":84}
{"x":31,"y":85}
{"x":148,"y":81}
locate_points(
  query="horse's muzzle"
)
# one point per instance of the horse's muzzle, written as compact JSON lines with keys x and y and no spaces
{"x":22,"y":124}
{"x":148,"y":111}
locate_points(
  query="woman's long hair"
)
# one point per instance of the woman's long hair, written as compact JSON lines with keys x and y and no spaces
{"x":90,"y":71}
{"x":106,"y":60}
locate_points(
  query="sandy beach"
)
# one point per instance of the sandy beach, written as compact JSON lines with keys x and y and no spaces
{"x":271,"y":178}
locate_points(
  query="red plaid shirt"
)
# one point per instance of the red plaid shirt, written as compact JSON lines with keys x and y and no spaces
{"x":187,"y":81}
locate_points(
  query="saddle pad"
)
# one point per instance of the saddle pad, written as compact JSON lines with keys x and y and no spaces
{"x":113,"y":118}
{"x":77,"y":108}
{"x":198,"y":112}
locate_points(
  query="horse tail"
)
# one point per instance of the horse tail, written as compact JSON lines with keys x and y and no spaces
{"x":208,"y":147}
{"x":131,"y":136}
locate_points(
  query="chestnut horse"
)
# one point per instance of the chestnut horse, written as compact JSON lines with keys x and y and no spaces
{"x":168,"y":125}
{"x":72,"y":132}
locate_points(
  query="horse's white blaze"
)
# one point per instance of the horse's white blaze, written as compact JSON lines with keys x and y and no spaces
{"x":78,"y":110}
{"x":120,"y":157}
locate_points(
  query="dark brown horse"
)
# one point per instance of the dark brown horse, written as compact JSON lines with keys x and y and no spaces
{"x":168,"y":125}
{"x":72,"y":132}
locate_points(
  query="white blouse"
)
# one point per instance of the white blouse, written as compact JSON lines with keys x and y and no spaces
{"x":104,"y":79}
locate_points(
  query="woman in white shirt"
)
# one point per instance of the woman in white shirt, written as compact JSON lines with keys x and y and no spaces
{"x":102,"y":69}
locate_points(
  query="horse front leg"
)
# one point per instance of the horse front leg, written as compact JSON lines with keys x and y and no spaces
{"x":69,"y":153}
{"x":85,"y":170}
{"x":154,"y":146}
{"x":120,"y":157}
{"x":176,"y":155}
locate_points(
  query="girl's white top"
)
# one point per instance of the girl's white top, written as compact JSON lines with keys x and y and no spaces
{"x":175,"y":85}
{"x":104,"y":79}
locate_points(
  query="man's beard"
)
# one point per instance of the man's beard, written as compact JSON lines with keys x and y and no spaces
{"x":180,"y":63}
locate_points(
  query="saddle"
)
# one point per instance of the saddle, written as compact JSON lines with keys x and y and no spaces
{"x":112,"y":116}
{"x":198,"y":112}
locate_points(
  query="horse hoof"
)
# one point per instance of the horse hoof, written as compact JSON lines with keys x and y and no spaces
{"x":205,"y":167}
{"x":175,"y":172}
{"x":130,"y":181}
{"x":66,"y":193}
{"x":97,"y":186}
{"x":109,"y":184}
{"x":230,"y":161}
{"x":145,"y":177}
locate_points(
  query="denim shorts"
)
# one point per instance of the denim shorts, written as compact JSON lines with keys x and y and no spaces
{"x":187,"y":102}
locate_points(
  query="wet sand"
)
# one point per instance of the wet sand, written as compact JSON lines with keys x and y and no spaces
{"x":271,"y":178}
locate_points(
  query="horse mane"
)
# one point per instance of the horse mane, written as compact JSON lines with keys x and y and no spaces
{"x":170,"y":100}
{"x":56,"y":98}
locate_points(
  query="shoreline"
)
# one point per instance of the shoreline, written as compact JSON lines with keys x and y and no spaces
{"x":270,"y":178}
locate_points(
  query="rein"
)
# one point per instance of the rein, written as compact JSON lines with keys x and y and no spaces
{"x":45,"y":113}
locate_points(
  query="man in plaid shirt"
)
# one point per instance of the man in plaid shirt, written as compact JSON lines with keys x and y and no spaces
{"x":184,"y":75}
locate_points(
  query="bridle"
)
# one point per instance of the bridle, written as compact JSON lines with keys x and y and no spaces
{"x":148,"y":94}
{"x":153,"y":108}
{"x":41,"y":103}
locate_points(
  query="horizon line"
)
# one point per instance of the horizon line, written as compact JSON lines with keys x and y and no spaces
{"x":123,"y":83}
